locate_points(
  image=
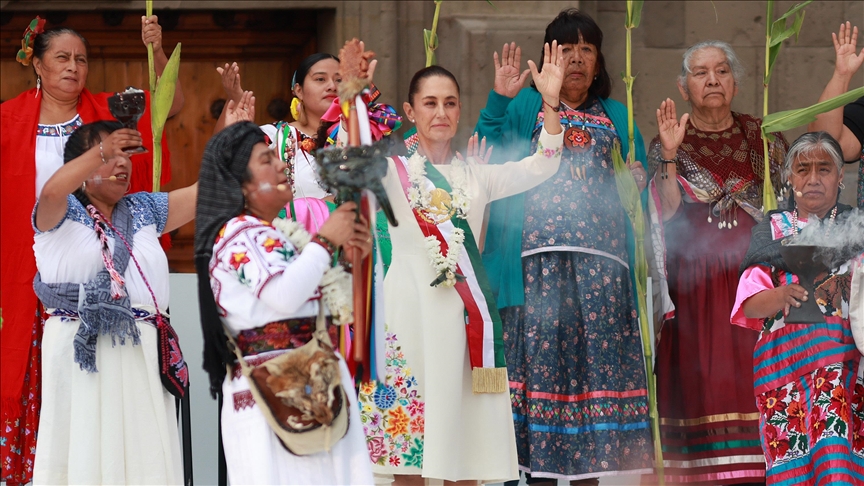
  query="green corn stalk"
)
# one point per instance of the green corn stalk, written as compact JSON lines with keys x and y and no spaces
{"x":430,"y":37}
{"x":151,"y":66}
{"x":160,"y":104}
{"x":628,"y":192}
{"x":775,"y":33}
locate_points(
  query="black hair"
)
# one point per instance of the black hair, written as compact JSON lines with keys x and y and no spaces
{"x":306,"y":65}
{"x":82,"y":140}
{"x":567,"y":28}
{"x":429,"y":72}
{"x":42,"y":42}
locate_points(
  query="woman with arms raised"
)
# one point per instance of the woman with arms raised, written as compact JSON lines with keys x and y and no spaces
{"x":34,"y":128}
{"x":706,"y":196}
{"x":443,"y":411}
{"x":558,"y":259}
{"x":103,"y":280}
{"x":808,"y":380}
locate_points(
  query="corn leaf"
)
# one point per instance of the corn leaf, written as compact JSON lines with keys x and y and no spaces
{"x":160,"y":105}
{"x":430,"y":43}
{"x":634,"y":14}
{"x":789,"y":119}
{"x":795,"y":9}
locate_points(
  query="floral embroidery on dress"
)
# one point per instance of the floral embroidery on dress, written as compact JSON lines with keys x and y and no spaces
{"x":64,"y":130}
{"x":392,"y":413}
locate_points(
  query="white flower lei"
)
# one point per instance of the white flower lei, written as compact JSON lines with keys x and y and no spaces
{"x":445,"y":267}
{"x":419,"y":197}
{"x":336,"y":288}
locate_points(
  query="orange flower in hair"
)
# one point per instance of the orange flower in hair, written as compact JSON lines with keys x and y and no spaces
{"x":36,"y":27}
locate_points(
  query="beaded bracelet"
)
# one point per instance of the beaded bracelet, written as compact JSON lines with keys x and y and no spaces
{"x":325,"y":243}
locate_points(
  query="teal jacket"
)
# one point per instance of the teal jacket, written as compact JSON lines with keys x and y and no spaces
{"x":508,"y":124}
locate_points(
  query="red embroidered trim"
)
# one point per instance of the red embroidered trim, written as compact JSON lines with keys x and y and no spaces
{"x":243,"y":400}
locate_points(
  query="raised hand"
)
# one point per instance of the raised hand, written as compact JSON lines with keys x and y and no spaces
{"x":844,"y":48}
{"x":151,"y":32}
{"x":231,"y":81}
{"x":477,"y":150}
{"x":548,"y":81}
{"x":508,"y":80}
{"x":243,"y":110}
{"x":113,"y":145}
{"x":670,"y":128}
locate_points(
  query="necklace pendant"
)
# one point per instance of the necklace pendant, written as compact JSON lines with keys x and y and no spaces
{"x":577,"y":140}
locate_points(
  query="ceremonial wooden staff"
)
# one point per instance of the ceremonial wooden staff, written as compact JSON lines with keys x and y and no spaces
{"x":352,"y":173}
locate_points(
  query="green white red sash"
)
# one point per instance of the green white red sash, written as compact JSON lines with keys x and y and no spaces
{"x":482,"y":322}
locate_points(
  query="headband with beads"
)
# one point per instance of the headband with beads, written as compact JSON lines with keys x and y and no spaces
{"x":36,"y":27}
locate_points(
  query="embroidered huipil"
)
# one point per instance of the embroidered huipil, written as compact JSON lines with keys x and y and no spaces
{"x":258,"y":277}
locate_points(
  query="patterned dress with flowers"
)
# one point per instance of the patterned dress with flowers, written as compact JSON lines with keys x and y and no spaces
{"x":808,"y":379}
{"x":574,"y":354}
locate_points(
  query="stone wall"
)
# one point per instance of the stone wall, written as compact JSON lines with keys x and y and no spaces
{"x":469,"y":31}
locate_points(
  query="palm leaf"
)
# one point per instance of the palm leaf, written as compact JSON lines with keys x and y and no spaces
{"x":789,"y":119}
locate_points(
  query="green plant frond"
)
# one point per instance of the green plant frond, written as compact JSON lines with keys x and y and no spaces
{"x":794,"y":10}
{"x":634,"y":14}
{"x":150,"y":64}
{"x":164,"y":96}
{"x":799,"y":21}
{"x":789,"y":119}
{"x":773,"y":51}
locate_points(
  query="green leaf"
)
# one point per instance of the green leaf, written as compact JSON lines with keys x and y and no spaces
{"x":799,"y":21}
{"x":164,"y":96}
{"x":789,"y":119}
{"x":430,"y":43}
{"x":634,"y":13}
{"x":795,"y":9}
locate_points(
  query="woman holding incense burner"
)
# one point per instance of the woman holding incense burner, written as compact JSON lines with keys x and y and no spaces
{"x":443,"y":411}
{"x":807,"y":377}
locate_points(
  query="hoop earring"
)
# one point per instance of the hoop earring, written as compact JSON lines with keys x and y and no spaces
{"x":38,"y":85}
{"x":842,"y":186}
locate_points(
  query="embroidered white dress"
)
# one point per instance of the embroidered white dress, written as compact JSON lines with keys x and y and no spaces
{"x":426,"y":419}
{"x":258,"y":277}
{"x":119,"y":425}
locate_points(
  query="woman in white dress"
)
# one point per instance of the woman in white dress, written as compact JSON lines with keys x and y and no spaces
{"x":103,"y":278}
{"x":443,"y":411}
{"x":264,"y":287}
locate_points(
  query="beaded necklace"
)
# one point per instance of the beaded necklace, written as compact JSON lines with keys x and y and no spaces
{"x":795,"y":230}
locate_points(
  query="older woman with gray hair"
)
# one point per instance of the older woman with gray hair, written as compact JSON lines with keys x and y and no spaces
{"x":705,"y":196}
{"x":808,"y":376}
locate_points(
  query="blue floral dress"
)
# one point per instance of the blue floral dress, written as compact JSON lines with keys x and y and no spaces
{"x":574,"y":354}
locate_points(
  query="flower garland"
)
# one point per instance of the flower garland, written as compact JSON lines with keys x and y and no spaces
{"x":336,"y":285}
{"x":446,"y":266}
{"x":420,"y":198}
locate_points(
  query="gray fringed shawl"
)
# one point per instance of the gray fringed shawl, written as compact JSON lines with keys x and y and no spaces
{"x":98,"y":312}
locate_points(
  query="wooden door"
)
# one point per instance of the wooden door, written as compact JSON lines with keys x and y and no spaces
{"x":268,"y":45}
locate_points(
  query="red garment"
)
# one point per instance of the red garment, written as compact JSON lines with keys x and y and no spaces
{"x":19,"y":118}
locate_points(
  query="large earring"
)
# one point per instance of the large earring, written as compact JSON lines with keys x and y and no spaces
{"x":842,"y":186}
{"x":38,"y":85}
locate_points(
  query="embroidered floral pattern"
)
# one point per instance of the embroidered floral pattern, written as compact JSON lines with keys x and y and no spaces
{"x":392,"y":413}
{"x":793,"y":425}
{"x":59,"y":130}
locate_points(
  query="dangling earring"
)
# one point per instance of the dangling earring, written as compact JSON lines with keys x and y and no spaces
{"x":38,"y":85}
{"x":84,"y":186}
{"x":842,"y":186}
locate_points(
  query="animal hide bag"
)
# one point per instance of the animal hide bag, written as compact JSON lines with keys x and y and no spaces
{"x":300,"y":394}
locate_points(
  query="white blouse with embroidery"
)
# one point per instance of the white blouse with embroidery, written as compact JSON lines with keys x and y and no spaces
{"x":50,"y":145}
{"x":258,"y":276}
